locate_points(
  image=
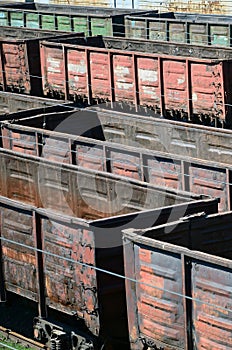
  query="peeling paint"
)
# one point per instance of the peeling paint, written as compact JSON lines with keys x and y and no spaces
{"x":147,"y":75}
{"x":180,"y":81}
{"x":77,"y":68}
{"x":194,"y":97}
{"x":121,"y":71}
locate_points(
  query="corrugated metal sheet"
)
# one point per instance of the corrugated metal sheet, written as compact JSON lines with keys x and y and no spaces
{"x":212,"y":328}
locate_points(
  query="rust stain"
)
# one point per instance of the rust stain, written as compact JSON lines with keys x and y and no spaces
{"x":199,"y":6}
{"x":16,"y":255}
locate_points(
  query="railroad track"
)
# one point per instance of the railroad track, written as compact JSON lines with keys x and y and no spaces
{"x":7,"y":334}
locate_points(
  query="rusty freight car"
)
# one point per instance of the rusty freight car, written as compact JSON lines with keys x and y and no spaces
{"x":175,"y":80}
{"x":179,"y":284}
{"x":53,"y":136}
{"x":20,"y":58}
{"x":90,"y":20}
{"x":91,"y":202}
{"x":63,"y":187}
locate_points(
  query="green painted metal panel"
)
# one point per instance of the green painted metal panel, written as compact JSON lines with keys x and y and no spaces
{"x":80,"y":24}
{"x":136,"y":28}
{"x":64,"y":23}
{"x":157,"y":30}
{"x":32,"y":20}
{"x":101,"y":26}
{"x":177,"y":32}
{"x":48,"y":22}
{"x":220,"y":35}
{"x":198,"y":33}
{"x":3,"y":18}
{"x":16,"y":19}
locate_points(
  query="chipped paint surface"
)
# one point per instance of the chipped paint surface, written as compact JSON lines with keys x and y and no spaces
{"x":52,"y":71}
{"x":184,"y":140}
{"x":123,"y":78}
{"x":100,"y":76}
{"x":77,"y":73}
{"x":20,"y":263}
{"x":211,"y":181}
{"x":159,"y":258}
{"x":175,"y":86}
{"x":67,"y":286}
{"x":160,"y":316}
{"x":77,"y":68}
{"x":146,"y":75}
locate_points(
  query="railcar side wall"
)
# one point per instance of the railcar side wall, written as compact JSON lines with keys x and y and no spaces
{"x":64,"y":277}
{"x":160,"y":169}
{"x":181,"y":27}
{"x":170,"y":85}
{"x":182,"y":296}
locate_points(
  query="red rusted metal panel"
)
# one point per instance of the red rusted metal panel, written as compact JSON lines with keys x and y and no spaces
{"x":18,"y":141}
{"x":20,"y":59}
{"x":177,"y":77}
{"x":161,"y":315}
{"x":56,"y":148}
{"x":16,"y":67}
{"x":21,"y":181}
{"x":164,"y":171}
{"x":89,"y":155}
{"x":77,"y":73}
{"x":175,"y":84}
{"x":52,"y":69}
{"x":70,"y":287}
{"x":125,"y":163}
{"x":207,"y":88}
{"x":148,"y":81}
{"x":209,"y":181}
{"x":123,"y":78}
{"x":100,"y":77}
{"x":170,"y":85}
